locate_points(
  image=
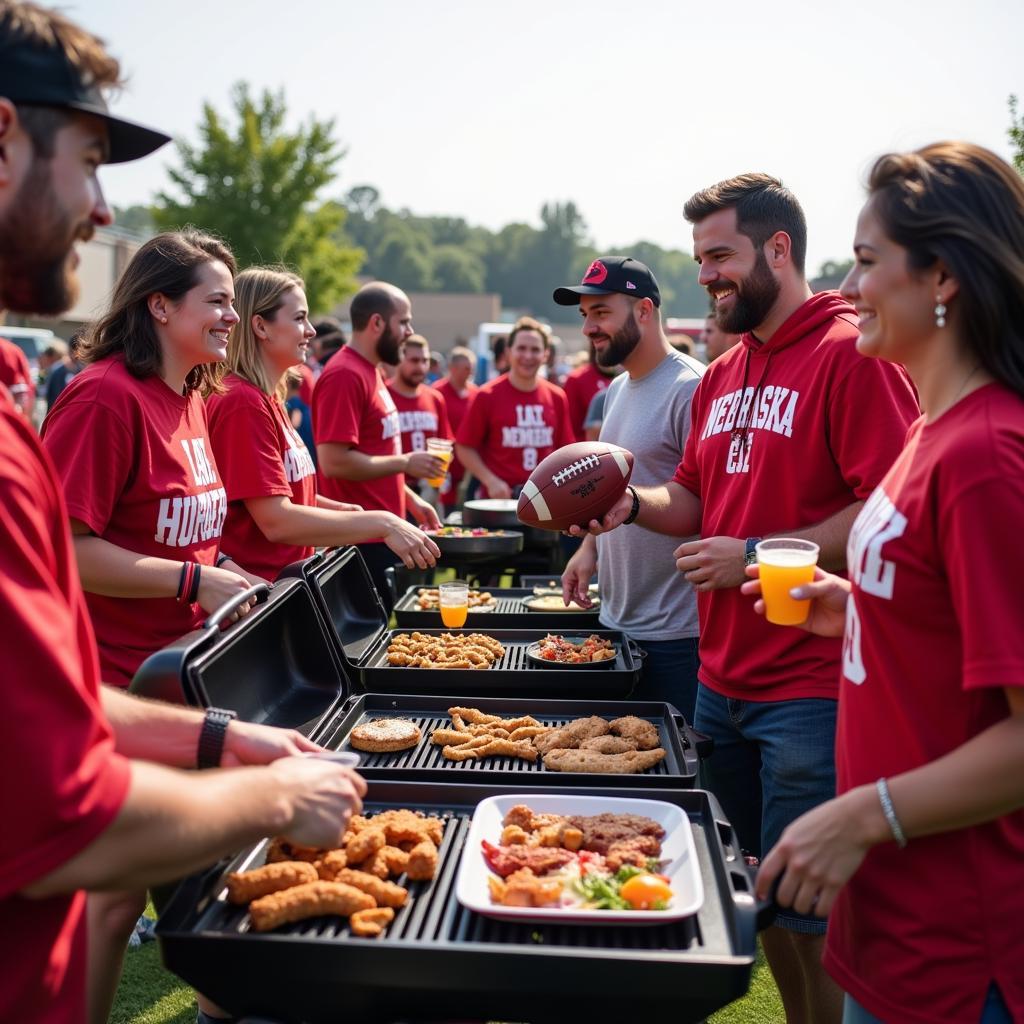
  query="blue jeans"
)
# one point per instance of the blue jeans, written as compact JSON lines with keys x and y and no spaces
{"x":772,"y":762}
{"x":993,"y":1012}
{"x":669,"y":673}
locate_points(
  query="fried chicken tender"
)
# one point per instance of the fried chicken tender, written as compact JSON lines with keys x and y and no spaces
{"x":609,"y":744}
{"x":446,"y":737}
{"x":245,"y":886}
{"x":330,"y":864}
{"x":473,"y":716}
{"x":281,"y":850}
{"x":422,"y":861}
{"x":312,"y":899}
{"x":522,"y":722}
{"x":627,"y":763}
{"x":370,"y":923}
{"x":491,"y":748}
{"x":571,"y":735}
{"x":376,"y":864}
{"x":396,"y":859}
{"x":403,"y":825}
{"x":524,"y":889}
{"x":512,"y":834}
{"x":365,"y":843}
{"x":526,"y":732}
{"x":385,"y":894}
{"x":645,"y":733}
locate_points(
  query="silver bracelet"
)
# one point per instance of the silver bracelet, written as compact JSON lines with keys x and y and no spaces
{"x":890,"y":813}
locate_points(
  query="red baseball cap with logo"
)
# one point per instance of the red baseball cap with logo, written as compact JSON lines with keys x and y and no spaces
{"x":609,"y":274}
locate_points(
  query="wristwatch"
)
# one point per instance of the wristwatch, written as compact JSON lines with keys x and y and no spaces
{"x":635,"y":510}
{"x":211,"y":736}
{"x":750,"y":550}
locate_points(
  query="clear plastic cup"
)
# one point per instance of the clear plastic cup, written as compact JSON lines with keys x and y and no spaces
{"x":443,"y":449}
{"x":454,"y":603}
{"x":785,"y":562}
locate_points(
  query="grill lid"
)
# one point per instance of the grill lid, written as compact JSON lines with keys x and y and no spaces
{"x":347,"y":597}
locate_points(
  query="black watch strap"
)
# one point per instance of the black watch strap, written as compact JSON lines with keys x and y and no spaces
{"x":635,"y":510}
{"x":211,"y":736}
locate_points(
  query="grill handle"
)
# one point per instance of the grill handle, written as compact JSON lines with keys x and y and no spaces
{"x":260,"y":592}
{"x":703,"y":745}
{"x":637,"y":652}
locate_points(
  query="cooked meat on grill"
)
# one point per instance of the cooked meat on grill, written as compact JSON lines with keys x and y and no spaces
{"x":244,"y":886}
{"x":609,"y":744}
{"x":310,"y":900}
{"x":422,"y":862}
{"x":370,"y":923}
{"x":385,"y":735}
{"x":627,"y":763}
{"x":645,"y":733}
{"x":571,"y":735}
{"x":505,"y":860}
{"x":386,"y":894}
{"x":632,"y":851}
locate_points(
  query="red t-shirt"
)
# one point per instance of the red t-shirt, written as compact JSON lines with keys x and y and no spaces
{"x":15,"y":373}
{"x":933,"y":636}
{"x":580,"y":387}
{"x":353,"y":406}
{"x":63,"y":783}
{"x":138,"y":469}
{"x":827,"y":426}
{"x":422,"y":416}
{"x":457,"y":406}
{"x":260,"y":455}
{"x":514,"y":430}
{"x":307,"y":385}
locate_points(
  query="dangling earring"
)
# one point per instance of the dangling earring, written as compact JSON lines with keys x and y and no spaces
{"x":940,"y":312}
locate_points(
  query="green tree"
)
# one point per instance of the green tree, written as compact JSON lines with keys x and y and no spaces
{"x":1016,"y":134}
{"x":257,"y":185}
{"x":138,"y":219}
{"x":831,"y":274}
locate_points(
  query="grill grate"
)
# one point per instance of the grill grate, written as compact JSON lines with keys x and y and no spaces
{"x":508,"y":612}
{"x":428,"y":755}
{"x":433,"y":914}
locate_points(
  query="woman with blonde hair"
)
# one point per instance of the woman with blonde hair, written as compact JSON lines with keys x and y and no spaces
{"x":275,"y":517}
{"x":920,"y":857}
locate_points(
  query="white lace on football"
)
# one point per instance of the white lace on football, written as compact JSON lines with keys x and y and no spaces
{"x":575,"y":469}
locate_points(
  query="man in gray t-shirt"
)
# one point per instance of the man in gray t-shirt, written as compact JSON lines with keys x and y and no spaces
{"x":647,"y":411}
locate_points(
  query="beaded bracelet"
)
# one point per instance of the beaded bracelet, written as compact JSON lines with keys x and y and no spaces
{"x":890,"y":813}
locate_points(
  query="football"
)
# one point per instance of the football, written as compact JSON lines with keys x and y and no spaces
{"x":575,"y":484}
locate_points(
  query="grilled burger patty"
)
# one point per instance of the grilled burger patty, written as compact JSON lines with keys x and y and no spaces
{"x":385,"y":734}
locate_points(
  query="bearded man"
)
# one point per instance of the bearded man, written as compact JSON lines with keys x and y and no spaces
{"x":647,"y":411}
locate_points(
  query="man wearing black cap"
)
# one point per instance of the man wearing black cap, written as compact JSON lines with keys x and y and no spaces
{"x":647,"y":411}
{"x":78,"y":814}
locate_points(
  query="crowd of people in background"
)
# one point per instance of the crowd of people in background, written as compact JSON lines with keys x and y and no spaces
{"x":203,"y":433}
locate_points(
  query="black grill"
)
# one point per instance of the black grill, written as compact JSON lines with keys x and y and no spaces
{"x":508,"y":613}
{"x":438,"y":960}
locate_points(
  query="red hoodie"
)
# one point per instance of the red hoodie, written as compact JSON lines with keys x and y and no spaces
{"x":825,"y":424}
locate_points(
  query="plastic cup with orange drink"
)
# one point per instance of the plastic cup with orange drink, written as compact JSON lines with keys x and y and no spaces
{"x":785,"y":562}
{"x":454,"y":602}
{"x":443,"y":449}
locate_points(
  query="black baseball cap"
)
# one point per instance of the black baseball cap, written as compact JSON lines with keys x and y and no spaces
{"x":612,"y":274}
{"x":39,"y":75}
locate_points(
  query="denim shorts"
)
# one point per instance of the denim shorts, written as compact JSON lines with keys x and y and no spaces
{"x":772,"y":762}
{"x":993,"y":1012}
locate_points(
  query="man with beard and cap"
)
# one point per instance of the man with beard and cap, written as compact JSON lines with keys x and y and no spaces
{"x":356,"y":424}
{"x":792,"y":431}
{"x":580,"y":387}
{"x":422,"y":412}
{"x":94,"y":797}
{"x":646,"y":411}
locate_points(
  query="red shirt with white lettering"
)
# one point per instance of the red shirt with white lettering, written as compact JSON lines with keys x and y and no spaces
{"x":580,"y":387}
{"x":933,"y":636}
{"x":513,"y":430}
{"x":260,"y":456}
{"x":63,"y":783}
{"x":457,"y":406}
{"x":137,"y":468}
{"x":826,"y":426}
{"x":353,"y":406}
{"x":422,"y":416}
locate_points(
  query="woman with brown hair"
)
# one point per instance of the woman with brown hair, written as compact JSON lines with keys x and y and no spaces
{"x":128,"y":438}
{"x":920,"y":858}
{"x":275,"y":515}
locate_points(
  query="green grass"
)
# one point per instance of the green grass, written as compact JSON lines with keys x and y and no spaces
{"x":150,"y":995}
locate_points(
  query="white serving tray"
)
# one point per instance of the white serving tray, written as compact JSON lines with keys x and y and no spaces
{"x":678,"y":851}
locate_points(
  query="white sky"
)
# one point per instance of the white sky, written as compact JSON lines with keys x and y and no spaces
{"x":486,"y":110}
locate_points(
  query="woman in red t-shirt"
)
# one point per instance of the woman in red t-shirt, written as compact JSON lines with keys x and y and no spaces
{"x":920,"y":859}
{"x":275,"y":516}
{"x":129,"y":441}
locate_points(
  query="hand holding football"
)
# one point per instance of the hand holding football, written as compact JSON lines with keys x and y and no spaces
{"x":575,"y":484}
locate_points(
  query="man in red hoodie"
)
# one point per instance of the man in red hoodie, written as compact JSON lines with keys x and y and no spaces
{"x":792,"y":430}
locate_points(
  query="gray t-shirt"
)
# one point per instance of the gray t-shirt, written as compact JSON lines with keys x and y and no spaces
{"x":642,"y":592}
